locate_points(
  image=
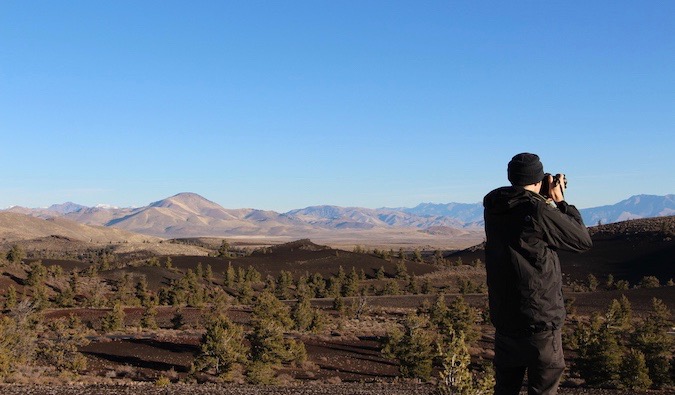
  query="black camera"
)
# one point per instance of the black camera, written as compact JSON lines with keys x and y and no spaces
{"x":545,"y":187}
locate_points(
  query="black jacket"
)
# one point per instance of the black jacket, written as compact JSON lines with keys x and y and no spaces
{"x":523,"y":233}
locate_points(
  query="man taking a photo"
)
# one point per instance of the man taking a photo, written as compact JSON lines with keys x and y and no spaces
{"x":525,"y":225}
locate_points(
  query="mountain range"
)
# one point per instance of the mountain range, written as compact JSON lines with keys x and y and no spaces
{"x":191,"y":215}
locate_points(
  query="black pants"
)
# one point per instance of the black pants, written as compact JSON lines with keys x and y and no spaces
{"x":540,"y":354}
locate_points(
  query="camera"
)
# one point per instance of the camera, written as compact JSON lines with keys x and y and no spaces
{"x":545,"y":187}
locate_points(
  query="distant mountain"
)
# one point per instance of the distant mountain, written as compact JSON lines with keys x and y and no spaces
{"x":635,"y":207}
{"x":191,"y":215}
{"x":464,"y":212}
{"x":65,"y":208}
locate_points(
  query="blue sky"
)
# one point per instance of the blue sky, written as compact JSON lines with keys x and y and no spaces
{"x":286,"y":104}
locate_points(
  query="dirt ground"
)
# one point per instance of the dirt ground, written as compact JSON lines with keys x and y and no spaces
{"x":319,"y":389}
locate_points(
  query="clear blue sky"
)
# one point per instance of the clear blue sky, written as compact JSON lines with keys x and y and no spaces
{"x":286,"y":104}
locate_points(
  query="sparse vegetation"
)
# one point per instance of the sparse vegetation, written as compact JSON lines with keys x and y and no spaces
{"x":316,"y":315}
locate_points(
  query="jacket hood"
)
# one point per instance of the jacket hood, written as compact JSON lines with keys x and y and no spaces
{"x":503,"y":199}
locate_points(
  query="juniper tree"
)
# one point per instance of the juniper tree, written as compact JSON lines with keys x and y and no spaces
{"x":633,"y":372}
{"x":114,"y":320}
{"x":208,"y":274}
{"x":18,"y":337}
{"x":456,"y":377}
{"x":464,"y":318}
{"x":142,"y":292}
{"x":412,"y":347}
{"x":318,"y":285}
{"x":269,"y":347}
{"x":230,"y":276}
{"x":653,"y":340}
{"x":59,"y":346}
{"x":16,"y":254}
{"x":619,"y":314}
{"x":37,"y":274}
{"x":267,"y":307}
{"x":391,"y":287}
{"x":222,"y":346}
{"x":592,"y":283}
{"x":598,"y":352}
{"x":380,"y":273}
{"x":10,"y":298}
{"x":224,"y":249}
{"x":284,"y":284}
{"x":350,"y":285}
{"x":302,"y":314}
{"x":149,"y":318}
{"x":413,"y":286}
{"x":649,"y":282}
{"x":401,"y":270}
{"x":253,"y":275}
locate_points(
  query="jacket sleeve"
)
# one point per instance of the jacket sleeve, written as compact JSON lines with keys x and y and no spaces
{"x":564,"y":229}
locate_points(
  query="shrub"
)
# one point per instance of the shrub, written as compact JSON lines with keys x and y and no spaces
{"x":59,"y":348}
{"x":18,"y":338}
{"x":649,"y":282}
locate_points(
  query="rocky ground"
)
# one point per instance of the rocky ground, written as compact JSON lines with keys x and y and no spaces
{"x":323,"y":389}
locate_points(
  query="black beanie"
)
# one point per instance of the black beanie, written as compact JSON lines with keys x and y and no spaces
{"x":525,"y":169}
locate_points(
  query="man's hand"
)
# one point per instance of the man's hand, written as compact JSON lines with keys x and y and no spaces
{"x":557,"y":189}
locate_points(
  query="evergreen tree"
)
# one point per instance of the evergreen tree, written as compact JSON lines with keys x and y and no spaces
{"x":222,"y":346}
{"x":59,"y":346}
{"x":464,"y":318}
{"x":402,"y":270}
{"x":224,"y":250}
{"x":456,"y":377}
{"x":11,"y":298}
{"x":380,"y":274}
{"x":592,"y":283}
{"x":318,"y":285}
{"x":37,"y":274}
{"x":413,"y":347}
{"x":391,"y":287}
{"x":142,"y":292}
{"x":633,"y":372}
{"x":652,"y":339}
{"x":302,"y":314}
{"x":619,"y":314}
{"x":208,"y":274}
{"x":16,"y":254}
{"x":350,"y":286}
{"x":149,"y":318}
{"x":267,"y":307}
{"x":18,"y":337}
{"x":598,"y":352}
{"x":230,"y":276}
{"x":284,"y":284}
{"x":114,"y":320}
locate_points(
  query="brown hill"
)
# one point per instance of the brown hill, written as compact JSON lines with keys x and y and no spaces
{"x":15,"y":227}
{"x":628,"y":250}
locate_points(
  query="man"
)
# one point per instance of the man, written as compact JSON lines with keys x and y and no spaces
{"x":523,"y":232}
